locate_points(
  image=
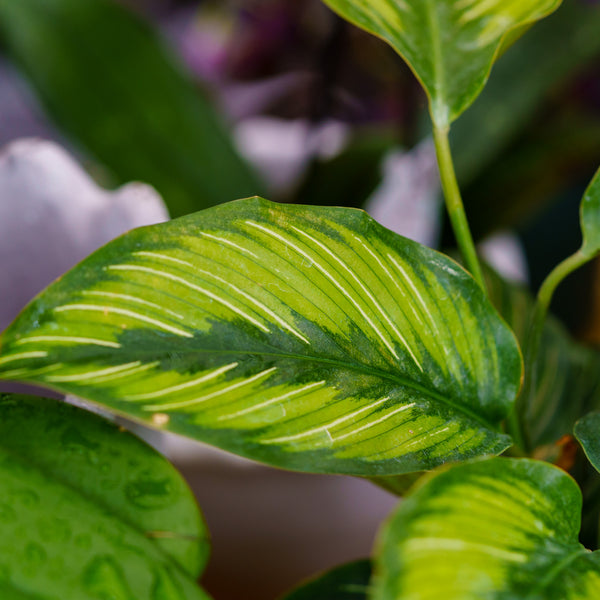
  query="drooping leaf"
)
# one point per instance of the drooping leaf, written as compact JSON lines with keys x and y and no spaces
{"x":567,"y":374}
{"x":310,"y":338}
{"x":587,"y":431}
{"x":497,"y":529}
{"x":88,"y":511}
{"x":450,"y":45}
{"x":590,"y":218}
{"x":110,"y":84}
{"x":347,"y":582}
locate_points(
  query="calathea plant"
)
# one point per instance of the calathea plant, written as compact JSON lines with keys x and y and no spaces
{"x":312,"y":339}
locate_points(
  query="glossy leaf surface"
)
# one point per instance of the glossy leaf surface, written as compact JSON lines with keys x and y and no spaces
{"x":497,"y":529}
{"x":107,"y":80}
{"x":587,"y":431}
{"x":88,"y":511}
{"x":348,"y":582}
{"x":310,"y":338}
{"x":450,"y":45}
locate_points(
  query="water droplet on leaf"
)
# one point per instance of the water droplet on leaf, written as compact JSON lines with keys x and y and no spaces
{"x":83,"y":541}
{"x":165,"y":587}
{"x":35,"y":554}
{"x":7,"y":513}
{"x":105,"y":580}
{"x":147,"y":492}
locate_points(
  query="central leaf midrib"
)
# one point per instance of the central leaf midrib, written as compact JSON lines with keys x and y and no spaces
{"x":437,"y":63}
{"x":358,"y":367}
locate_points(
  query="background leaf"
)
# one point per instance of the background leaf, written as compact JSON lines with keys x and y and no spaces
{"x":89,"y":511}
{"x":567,"y":374}
{"x":587,"y":431}
{"x":590,"y":218}
{"x":449,"y":45}
{"x":496,"y":529}
{"x":309,"y":338}
{"x":109,"y":83}
{"x":348,"y":582}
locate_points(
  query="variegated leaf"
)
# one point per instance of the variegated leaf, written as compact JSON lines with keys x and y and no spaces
{"x":449,"y":44}
{"x":309,"y":338}
{"x":497,"y":529}
{"x":590,"y":218}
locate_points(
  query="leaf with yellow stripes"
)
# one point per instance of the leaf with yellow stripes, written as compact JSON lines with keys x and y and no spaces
{"x":494,"y":529}
{"x":449,"y":44}
{"x":305,"y":337}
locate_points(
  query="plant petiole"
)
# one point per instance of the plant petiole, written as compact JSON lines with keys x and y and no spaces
{"x":454,"y":205}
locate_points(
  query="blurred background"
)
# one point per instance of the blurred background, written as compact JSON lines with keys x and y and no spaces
{"x":209,"y":101}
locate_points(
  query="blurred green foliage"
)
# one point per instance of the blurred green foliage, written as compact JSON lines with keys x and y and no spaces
{"x":109,"y":82}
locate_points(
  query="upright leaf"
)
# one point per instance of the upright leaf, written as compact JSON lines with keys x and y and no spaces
{"x":590,"y":218}
{"x":348,"y":582}
{"x":88,"y":511}
{"x":309,"y":338}
{"x":590,"y":226}
{"x":496,"y":529}
{"x":450,"y":45}
{"x":587,"y":431}
{"x":108,"y":81}
{"x":567,"y":374}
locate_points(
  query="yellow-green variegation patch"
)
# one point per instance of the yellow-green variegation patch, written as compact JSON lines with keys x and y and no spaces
{"x":449,"y":44}
{"x":497,"y":529}
{"x":310,"y":338}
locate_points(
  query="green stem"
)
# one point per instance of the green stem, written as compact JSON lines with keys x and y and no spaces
{"x":566,"y":267}
{"x":532,"y":343}
{"x":454,"y":204}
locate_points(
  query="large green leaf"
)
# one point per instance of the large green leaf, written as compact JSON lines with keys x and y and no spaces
{"x":310,"y":338}
{"x":450,"y":45}
{"x":587,"y":431}
{"x":497,"y":529}
{"x":348,"y":582}
{"x":88,"y":511}
{"x":109,"y":82}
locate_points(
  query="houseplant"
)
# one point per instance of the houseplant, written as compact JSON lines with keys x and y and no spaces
{"x":312,"y":339}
